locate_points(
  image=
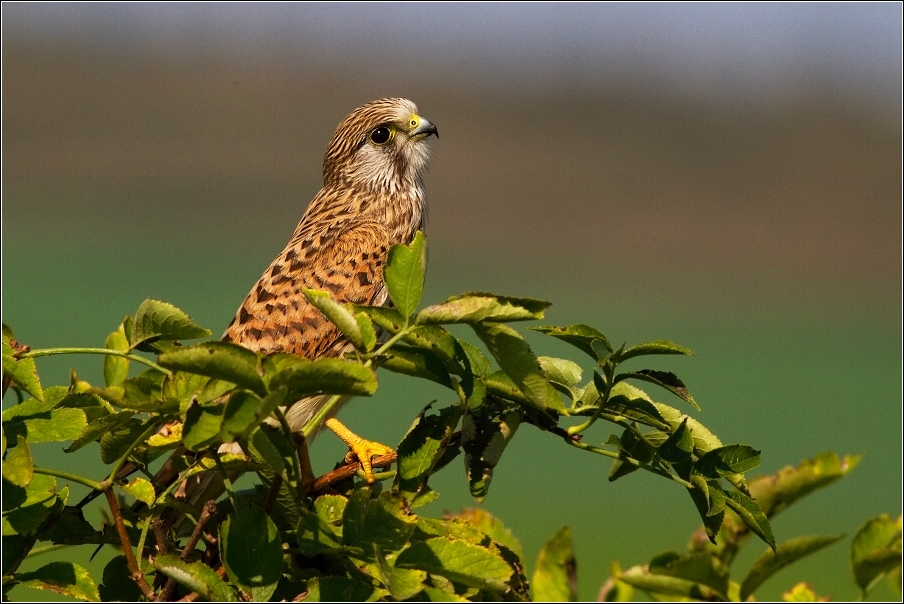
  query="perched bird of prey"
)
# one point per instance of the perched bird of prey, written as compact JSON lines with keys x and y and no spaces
{"x":372,"y":198}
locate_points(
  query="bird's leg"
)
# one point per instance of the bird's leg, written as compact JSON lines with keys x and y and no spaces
{"x":362,"y":449}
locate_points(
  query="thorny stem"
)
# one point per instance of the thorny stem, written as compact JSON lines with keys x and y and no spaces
{"x":45,"y":352}
{"x":137,"y":576}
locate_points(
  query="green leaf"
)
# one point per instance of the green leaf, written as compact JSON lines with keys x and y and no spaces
{"x":338,"y":314}
{"x":384,"y":520}
{"x":54,"y":425}
{"x":632,"y":447}
{"x":802,"y":592}
{"x":156,"y":320}
{"x":876,"y":550}
{"x":560,"y":371}
{"x":116,"y":369}
{"x":698,"y":576}
{"x":251,"y":551}
{"x":64,"y":578}
{"x":404,"y":274}
{"x":416,"y":362}
{"x":71,"y":528}
{"x":785,"y":553}
{"x":727,"y":460}
{"x":114,"y":443}
{"x":578,"y":335}
{"x":245,"y":411}
{"x":368,"y":333}
{"x":422,"y":447}
{"x":521,"y":365}
{"x":709,"y":499}
{"x":18,"y":467}
{"x":22,"y":371}
{"x":98,"y":428}
{"x":626,"y":401}
{"x":34,"y":406}
{"x":117,"y":585}
{"x":458,"y":561}
{"x":490,"y":526}
{"x":775,"y":492}
{"x":321,"y":531}
{"x":555,"y":577}
{"x":142,"y":490}
{"x":25,"y":509}
{"x":678,"y":446}
{"x":479,"y":363}
{"x":654,"y":347}
{"x":202,"y":425}
{"x":479,"y":307}
{"x":665,"y":379}
{"x":221,"y":360}
{"x":752,"y":515}
{"x":324,"y":376}
{"x":197,"y":577}
{"x":704,"y":440}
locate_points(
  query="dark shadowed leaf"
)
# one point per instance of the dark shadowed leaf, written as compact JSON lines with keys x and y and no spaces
{"x":665,"y":379}
{"x":156,"y":320}
{"x":338,"y":589}
{"x":221,"y":360}
{"x":703,"y":497}
{"x":555,"y":575}
{"x":485,"y":433}
{"x":114,"y":443}
{"x":98,"y":428}
{"x":338,"y":314}
{"x":479,"y":306}
{"x":678,"y":446}
{"x":578,"y":335}
{"x":117,"y":585}
{"x":197,"y":577}
{"x":25,"y":509}
{"x":785,"y":553}
{"x":727,"y":460}
{"x":202,"y":425}
{"x":654,"y":347}
{"x":422,"y":446}
{"x":251,"y":551}
{"x":404,"y":274}
{"x":64,"y":578}
{"x":876,"y":550}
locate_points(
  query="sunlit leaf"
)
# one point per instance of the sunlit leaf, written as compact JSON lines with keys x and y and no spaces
{"x":727,"y":460}
{"x":752,"y":515}
{"x":64,"y":578}
{"x":18,"y":467}
{"x":156,"y":320}
{"x":222,"y":360}
{"x":197,"y":577}
{"x":579,"y":335}
{"x":665,"y":379}
{"x":404,"y":274}
{"x":785,"y":553}
{"x":116,"y":369}
{"x":479,"y":306}
{"x":422,"y":446}
{"x":876,"y":550}
{"x":338,"y":314}
{"x":654,"y":347}
{"x":22,"y":371}
{"x":458,"y":561}
{"x":777,"y":491}
{"x":555,"y":577}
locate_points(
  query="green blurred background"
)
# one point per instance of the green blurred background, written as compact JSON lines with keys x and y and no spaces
{"x":727,"y":177}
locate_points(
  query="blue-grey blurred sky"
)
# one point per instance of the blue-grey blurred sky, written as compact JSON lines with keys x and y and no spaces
{"x":744,"y":50}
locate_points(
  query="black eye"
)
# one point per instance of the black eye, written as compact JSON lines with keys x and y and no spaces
{"x":381,"y":135}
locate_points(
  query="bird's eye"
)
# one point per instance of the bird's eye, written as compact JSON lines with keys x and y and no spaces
{"x":381,"y":135}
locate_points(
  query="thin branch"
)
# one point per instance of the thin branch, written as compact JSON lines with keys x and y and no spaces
{"x":630,"y":460}
{"x":46,"y":352}
{"x":72,"y":477}
{"x":137,"y":576}
{"x":349,"y":470}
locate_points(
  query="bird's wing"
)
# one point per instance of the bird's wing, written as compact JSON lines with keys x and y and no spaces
{"x":345,"y":260}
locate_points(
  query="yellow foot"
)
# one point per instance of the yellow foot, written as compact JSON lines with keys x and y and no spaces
{"x":359,"y":448}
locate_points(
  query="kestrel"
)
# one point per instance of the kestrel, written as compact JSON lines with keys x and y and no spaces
{"x":372,"y":198}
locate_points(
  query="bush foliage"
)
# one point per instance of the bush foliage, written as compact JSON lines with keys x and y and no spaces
{"x":339,"y":538}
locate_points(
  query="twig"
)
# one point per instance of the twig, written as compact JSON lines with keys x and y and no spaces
{"x":210,"y":508}
{"x":127,"y":545}
{"x":115,"y":353}
{"x":273,"y":493}
{"x":349,"y":470}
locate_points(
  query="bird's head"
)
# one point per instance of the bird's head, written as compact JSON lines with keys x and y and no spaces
{"x":379,"y":146}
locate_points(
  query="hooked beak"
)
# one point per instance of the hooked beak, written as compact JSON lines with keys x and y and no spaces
{"x":421,"y":128}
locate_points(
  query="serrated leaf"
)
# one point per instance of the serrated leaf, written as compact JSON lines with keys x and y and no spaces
{"x":555,"y":578}
{"x":775,"y":492}
{"x":221,"y":360}
{"x":478,"y":362}
{"x":115,"y":442}
{"x":518,"y":361}
{"x":22,"y":371}
{"x":18,"y":467}
{"x":64,"y":578}
{"x":202,"y":425}
{"x":875,"y":550}
{"x":116,"y":369}
{"x":251,"y":551}
{"x":321,"y":530}
{"x":704,"y":440}
{"x":578,"y":335}
{"x":785,"y":553}
{"x":748,"y":510}
{"x":142,"y":490}
{"x":324,"y":376}
{"x":703,"y":498}
{"x":698,"y":576}
{"x":727,"y":460}
{"x":34,"y":406}
{"x":678,"y":446}
{"x":654,"y":347}
{"x":479,"y":306}
{"x":422,"y":447}
{"x":71,"y":528}
{"x":490,"y":526}
{"x":484,"y":437}
{"x":368,"y":333}
{"x":404,"y":274}
{"x":458,"y":561}
{"x":157,"y":320}
{"x":665,"y":379}
{"x":626,"y":401}
{"x":630,"y":447}
{"x":25,"y":509}
{"x":338,"y":314}
{"x":245,"y":411}
{"x":54,"y":425}
{"x":560,"y":371}
{"x":197,"y":577}
{"x":384,"y":520}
